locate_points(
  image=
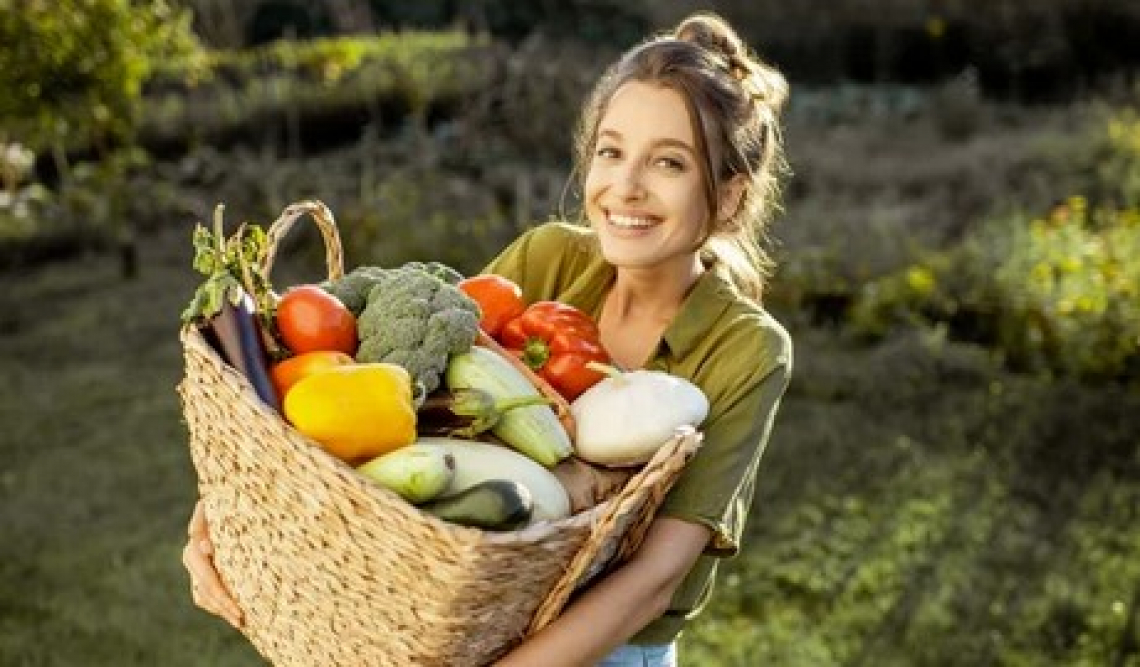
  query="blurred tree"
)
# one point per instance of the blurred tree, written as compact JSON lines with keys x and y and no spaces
{"x":72,"y":70}
{"x":287,"y":19}
{"x":220,"y":24}
{"x":351,"y":16}
{"x":72,"y":73}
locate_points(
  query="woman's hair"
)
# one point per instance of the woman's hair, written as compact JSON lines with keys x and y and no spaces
{"x":734,"y":101}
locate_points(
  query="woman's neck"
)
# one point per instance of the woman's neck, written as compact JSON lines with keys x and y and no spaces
{"x":654,"y":295}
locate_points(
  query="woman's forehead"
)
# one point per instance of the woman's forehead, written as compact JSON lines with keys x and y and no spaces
{"x":641,"y":111}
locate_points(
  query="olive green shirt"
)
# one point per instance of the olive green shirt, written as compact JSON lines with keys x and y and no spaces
{"x":721,"y":341}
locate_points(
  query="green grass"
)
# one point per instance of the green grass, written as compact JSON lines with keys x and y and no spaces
{"x":922,"y":507}
{"x":97,"y":484}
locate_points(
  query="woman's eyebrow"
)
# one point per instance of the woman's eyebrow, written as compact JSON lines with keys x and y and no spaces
{"x":658,"y":143}
{"x":675,"y":143}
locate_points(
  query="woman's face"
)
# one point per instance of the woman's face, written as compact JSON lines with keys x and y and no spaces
{"x":644,"y":192}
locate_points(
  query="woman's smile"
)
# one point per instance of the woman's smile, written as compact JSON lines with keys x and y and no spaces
{"x":631,"y":221}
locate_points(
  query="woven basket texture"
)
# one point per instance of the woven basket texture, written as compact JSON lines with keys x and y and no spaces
{"x":331,"y":569}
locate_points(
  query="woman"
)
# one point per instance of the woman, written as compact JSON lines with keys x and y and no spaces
{"x":678,"y":149}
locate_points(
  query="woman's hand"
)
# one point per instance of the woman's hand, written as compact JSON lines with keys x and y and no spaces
{"x":206,"y":586}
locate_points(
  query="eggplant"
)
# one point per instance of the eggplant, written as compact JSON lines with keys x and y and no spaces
{"x":238,"y":336}
{"x":466,"y":412}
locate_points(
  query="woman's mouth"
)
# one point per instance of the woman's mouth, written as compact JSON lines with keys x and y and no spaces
{"x":623,"y":221}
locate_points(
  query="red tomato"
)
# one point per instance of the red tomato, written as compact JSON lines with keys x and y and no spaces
{"x":500,"y":300}
{"x":289,"y":372}
{"x":309,"y":319}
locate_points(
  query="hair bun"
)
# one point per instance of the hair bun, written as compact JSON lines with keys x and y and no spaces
{"x":715,"y":35}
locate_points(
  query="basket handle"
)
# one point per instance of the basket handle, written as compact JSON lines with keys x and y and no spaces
{"x":648,"y":486}
{"x":334,"y":252}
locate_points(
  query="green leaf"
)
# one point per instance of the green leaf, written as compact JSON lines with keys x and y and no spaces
{"x":205,"y":252}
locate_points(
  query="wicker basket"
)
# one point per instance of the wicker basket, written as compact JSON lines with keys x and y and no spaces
{"x":331,"y":569}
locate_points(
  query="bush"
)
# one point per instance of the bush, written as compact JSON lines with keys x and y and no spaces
{"x":1056,"y":293}
{"x":329,"y":88}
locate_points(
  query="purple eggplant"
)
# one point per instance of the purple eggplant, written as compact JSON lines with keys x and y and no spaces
{"x":239,"y":340}
{"x":225,"y":307}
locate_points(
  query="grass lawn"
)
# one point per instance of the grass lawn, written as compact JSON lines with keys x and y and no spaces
{"x":97,"y":483}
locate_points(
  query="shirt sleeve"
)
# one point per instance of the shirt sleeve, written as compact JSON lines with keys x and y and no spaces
{"x":542,"y":261}
{"x":511,"y":262}
{"x":716,"y":487}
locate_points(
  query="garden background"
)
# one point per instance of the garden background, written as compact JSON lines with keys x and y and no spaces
{"x":953,"y":479}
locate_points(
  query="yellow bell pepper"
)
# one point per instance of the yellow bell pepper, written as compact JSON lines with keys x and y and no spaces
{"x":355,"y":411}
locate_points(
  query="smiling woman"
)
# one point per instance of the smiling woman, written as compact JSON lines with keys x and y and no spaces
{"x":678,"y":151}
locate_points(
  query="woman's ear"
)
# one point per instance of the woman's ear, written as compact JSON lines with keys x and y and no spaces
{"x":731,"y":196}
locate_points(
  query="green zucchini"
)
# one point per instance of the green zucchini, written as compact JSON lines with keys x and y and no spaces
{"x":533,"y":430}
{"x":416,"y":472}
{"x":495,"y":504}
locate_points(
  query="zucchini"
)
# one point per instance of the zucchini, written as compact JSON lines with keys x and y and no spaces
{"x":477,"y":462}
{"x":533,"y":430}
{"x":495,"y":504}
{"x":417,"y":473}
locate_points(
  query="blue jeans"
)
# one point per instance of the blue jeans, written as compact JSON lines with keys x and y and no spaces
{"x":631,"y":655}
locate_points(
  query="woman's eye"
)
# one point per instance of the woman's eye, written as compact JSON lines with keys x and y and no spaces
{"x":671,"y":163}
{"x":607,"y":152}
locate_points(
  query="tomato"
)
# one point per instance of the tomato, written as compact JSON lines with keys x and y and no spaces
{"x":309,"y":318}
{"x":500,"y":300}
{"x":290,"y":371}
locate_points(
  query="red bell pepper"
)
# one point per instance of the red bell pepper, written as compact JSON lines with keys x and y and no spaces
{"x":557,"y":340}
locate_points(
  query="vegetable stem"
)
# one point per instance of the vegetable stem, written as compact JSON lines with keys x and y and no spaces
{"x":219,"y":237}
{"x":535,"y":353}
{"x":605,"y":369}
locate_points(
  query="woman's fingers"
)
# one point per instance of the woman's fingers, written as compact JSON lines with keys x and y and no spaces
{"x":197,"y":527}
{"x":206,"y":587}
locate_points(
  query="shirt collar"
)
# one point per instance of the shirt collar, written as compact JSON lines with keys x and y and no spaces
{"x":710,"y":296}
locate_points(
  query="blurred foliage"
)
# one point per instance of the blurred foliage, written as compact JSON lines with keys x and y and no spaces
{"x":72,"y":71}
{"x":922,"y":507}
{"x":1115,"y":160}
{"x":96,"y":208}
{"x":965,"y":233}
{"x":326,"y":60}
{"x":237,"y":25}
{"x":1055,"y":293}
{"x":336,"y":85}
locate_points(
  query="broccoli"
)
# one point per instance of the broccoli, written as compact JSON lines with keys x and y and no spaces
{"x":415,"y":318}
{"x":439,"y":270}
{"x":352,"y":289}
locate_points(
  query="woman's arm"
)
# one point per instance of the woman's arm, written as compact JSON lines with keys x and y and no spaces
{"x":618,"y":606}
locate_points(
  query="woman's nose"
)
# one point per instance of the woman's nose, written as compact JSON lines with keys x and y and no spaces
{"x":631,"y":182}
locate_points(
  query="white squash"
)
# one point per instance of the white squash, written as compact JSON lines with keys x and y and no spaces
{"x":626,"y":417}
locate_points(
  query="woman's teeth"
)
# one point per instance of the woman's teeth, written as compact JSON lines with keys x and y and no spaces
{"x":630,"y":222}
